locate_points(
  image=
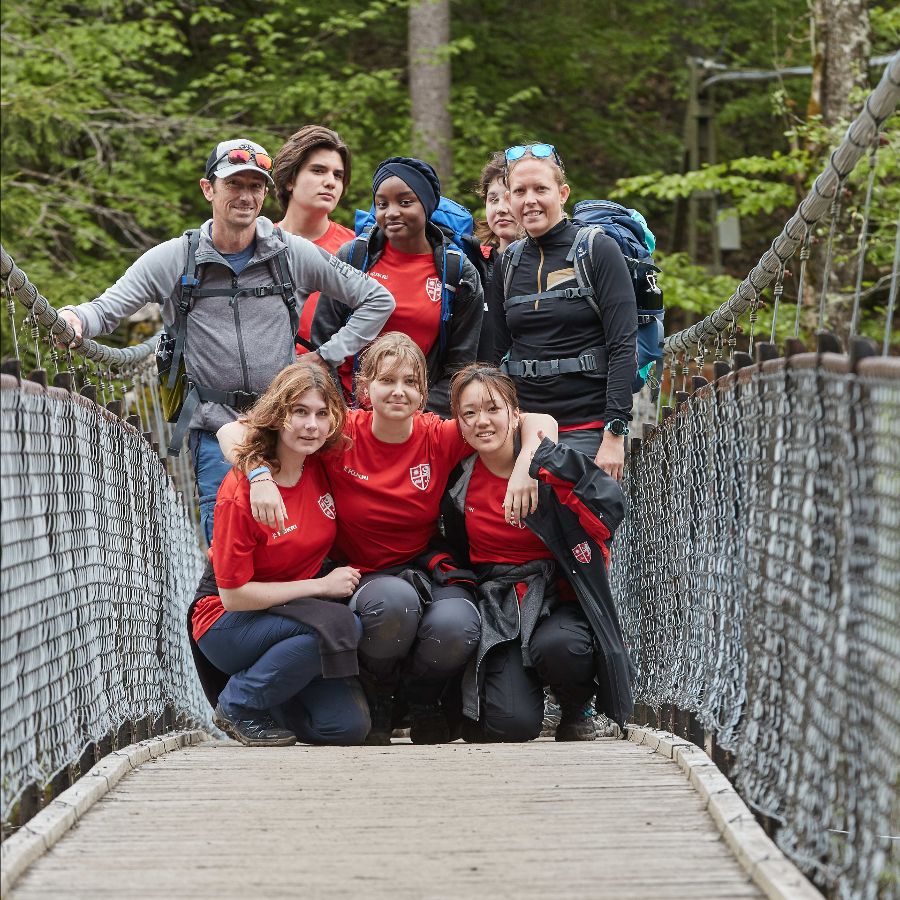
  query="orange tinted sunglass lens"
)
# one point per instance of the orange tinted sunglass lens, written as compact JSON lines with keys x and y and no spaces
{"x":264,"y":161}
{"x":238,"y":156}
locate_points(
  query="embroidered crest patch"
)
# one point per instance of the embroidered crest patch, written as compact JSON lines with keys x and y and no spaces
{"x":326,"y":504}
{"x":433,"y":289}
{"x":582,"y":552}
{"x":420,"y":476}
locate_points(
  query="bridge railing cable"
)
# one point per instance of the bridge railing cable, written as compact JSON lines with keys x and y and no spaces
{"x":758,"y":569}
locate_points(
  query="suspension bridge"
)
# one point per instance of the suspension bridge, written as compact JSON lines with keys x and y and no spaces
{"x":758,"y":582}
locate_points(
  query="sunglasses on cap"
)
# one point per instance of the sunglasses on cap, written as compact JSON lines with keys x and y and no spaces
{"x":239,"y":156}
{"x":538,"y":151}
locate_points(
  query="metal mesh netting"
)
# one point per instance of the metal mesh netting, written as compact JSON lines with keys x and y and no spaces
{"x":758,"y":573}
{"x":99,"y":564}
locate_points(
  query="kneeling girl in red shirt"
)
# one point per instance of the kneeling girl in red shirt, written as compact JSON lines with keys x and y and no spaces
{"x":277,"y":661}
{"x":547,"y":611}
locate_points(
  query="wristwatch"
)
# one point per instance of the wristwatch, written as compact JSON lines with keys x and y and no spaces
{"x":618,"y":427}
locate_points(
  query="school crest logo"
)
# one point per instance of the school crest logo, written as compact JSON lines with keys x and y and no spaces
{"x":420,"y":476}
{"x":433,"y":289}
{"x":582,"y":552}
{"x":326,"y":504}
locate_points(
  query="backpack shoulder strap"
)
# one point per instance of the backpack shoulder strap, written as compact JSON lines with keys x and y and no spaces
{"x":582,"y":256}
{"x":357,"y":252}
{"x":286,"y":281}
{"x":511,"y":258}
{"x":189,"y":281}
{"x":448,"y":260}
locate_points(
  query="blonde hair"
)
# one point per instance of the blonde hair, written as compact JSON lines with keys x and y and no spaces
{"x":386,"y":354}
{"x":558,"y":171}
{"x":274,"y":409}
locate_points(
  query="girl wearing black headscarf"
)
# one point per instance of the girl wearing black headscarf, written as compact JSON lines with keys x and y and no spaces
{"x":415,"y":261}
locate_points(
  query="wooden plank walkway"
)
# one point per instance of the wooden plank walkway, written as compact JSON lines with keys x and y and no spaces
{"x":541,"y":820}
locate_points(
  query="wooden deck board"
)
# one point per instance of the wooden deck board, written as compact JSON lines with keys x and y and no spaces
{"x":541,"y":820}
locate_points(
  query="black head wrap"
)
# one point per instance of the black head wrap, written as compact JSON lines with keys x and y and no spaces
{"x":421,"y":178}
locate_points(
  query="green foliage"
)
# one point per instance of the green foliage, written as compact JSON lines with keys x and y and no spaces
{"x":110,"y":108}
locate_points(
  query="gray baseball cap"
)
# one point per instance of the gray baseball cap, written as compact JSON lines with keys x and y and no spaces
{"x":250,"y":157}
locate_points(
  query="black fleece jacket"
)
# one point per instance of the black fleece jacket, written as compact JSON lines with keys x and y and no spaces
{"x":561,"y":329}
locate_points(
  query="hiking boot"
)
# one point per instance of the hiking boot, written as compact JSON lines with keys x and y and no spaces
{"x":381,"y":708}
{"x":260,"y":730}
{"x":576,"y":723}
{"x":551,"y":715}
{"x":429,"y":724}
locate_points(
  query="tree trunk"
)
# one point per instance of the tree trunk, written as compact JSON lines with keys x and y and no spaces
{"x":429,"y":83}
{"x":841,"y":45}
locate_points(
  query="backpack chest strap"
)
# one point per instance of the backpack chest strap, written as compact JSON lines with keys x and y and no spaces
{"x":266,"y":290}
{"x":594,"y":359}
{"x":563,"y":294}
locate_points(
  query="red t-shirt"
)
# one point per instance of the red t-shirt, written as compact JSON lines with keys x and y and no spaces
{"x":491,"y":538}
{"x":388,"y":495}
{"x":243,"y":550}
{"x":416,"y":287}
{"x":332,"y":241}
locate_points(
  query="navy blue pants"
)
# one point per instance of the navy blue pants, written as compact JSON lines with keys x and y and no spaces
{"x":562,"y":648}
{"x":401,"y":637}
{"x":275,"y":665}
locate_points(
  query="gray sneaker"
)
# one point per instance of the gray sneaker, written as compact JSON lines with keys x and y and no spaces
{"x":261,"y":730}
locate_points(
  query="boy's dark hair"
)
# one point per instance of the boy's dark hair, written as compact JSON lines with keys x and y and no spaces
{"x":296,"y":151}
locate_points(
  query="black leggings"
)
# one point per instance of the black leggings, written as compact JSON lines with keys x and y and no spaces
{"x":513,"y":696}
{"x":430,"y":643}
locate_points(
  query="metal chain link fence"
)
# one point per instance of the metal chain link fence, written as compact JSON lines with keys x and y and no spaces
{"x":99,"y":563}
{"x":758,"y":576}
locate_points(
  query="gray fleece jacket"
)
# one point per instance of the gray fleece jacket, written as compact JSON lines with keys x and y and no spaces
{"x":241,"y":345}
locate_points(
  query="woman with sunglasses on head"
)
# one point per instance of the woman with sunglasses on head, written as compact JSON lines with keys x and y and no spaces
{"x":276,"y":660}
{"x":419,"y":628}
{"x":412,"y":258}
{"x":548,"y":617}
{"x":567,"y":353}
{"x":498,"y":230}
{"x":311,"y":173}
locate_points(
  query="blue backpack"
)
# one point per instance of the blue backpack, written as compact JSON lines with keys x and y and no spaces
{"x":628,"y":228}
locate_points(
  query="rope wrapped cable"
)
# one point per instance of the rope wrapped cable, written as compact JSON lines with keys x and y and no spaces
{"x":27,"y":294}
{"x":879,"y":105}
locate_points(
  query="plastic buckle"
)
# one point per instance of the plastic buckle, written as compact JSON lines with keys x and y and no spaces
{"x":587,"y":362}
{"x":243,"y":400}
{"x":529,"y":368}
{"x":263,"y":291}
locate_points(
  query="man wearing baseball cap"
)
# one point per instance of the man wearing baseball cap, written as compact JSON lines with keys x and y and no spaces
{"x":231,"y":293}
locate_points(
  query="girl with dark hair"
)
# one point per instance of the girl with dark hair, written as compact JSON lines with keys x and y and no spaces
{"x":547,"y":613}
{"x":567,"y":353}
{"x":420,"y":625}
{"x":498,"y":230}
{"x":411,"y":257}
{"x":276,"y":661}
{"x":311,"y":173}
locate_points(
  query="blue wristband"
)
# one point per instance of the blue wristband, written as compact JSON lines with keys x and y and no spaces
{"x":259,"y":470}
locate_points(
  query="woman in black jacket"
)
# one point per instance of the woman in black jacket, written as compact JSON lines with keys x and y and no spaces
{"x":570,"y":354}
{"x":547,"y":612}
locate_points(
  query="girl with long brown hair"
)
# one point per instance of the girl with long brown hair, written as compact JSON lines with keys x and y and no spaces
{"x":277,"y":661}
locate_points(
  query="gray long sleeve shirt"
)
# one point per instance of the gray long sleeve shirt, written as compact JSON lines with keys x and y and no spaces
{"x":241,"y":343}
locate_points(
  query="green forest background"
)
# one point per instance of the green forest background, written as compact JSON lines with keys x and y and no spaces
{"x":109,"y":110}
